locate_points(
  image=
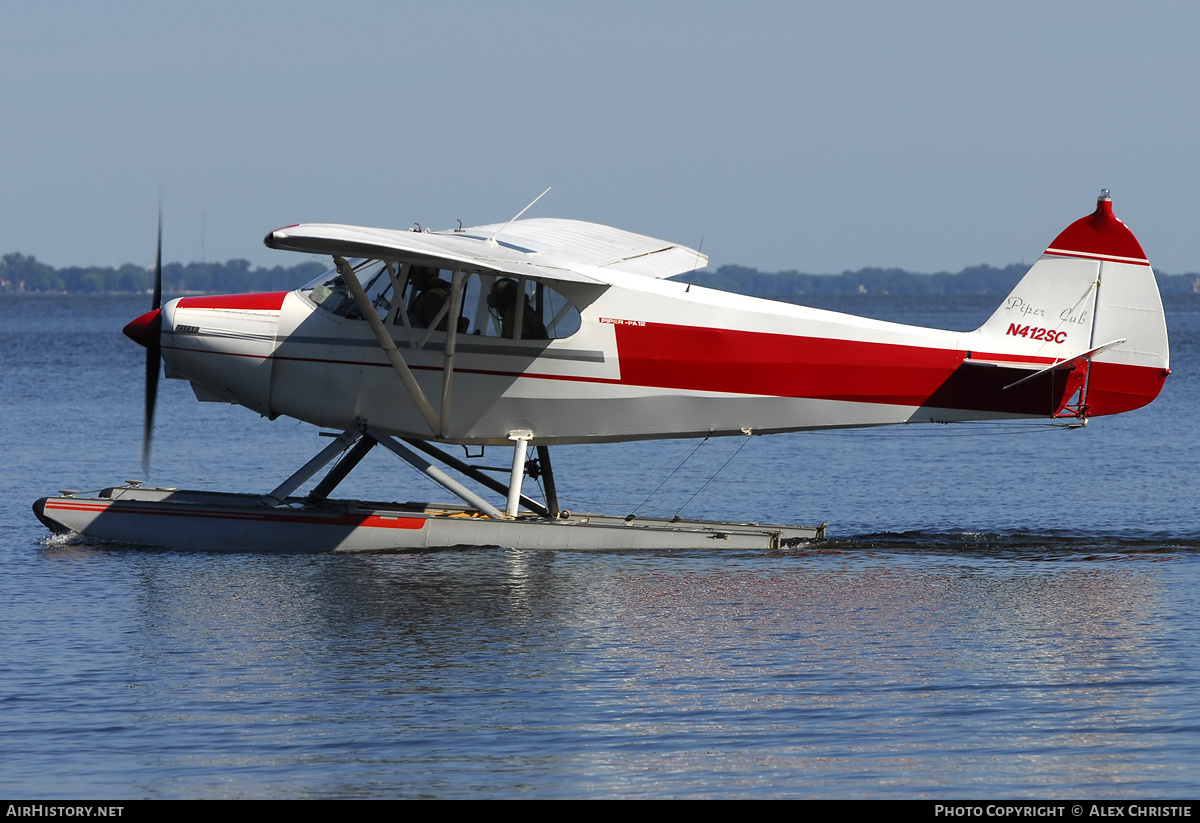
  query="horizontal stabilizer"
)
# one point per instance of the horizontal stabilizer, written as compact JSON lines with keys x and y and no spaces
{"x":1077,"y":360}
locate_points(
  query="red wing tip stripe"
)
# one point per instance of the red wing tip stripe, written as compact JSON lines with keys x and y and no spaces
{"x":1105,"y":257}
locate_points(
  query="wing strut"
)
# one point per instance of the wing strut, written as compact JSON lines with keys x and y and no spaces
{"x":456,"y":284}
{"x":388,"y":346}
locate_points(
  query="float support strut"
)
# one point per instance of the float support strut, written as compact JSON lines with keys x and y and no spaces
{"x":434,"y":473}
{"x":517,"y":475}
{"x":341,"y":468}
{"x":543,"y":453}
{"x":339,"y":445}
{"x":475,"y":474}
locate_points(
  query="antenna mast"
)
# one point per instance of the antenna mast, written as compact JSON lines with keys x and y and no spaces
{"x":492,"y":239}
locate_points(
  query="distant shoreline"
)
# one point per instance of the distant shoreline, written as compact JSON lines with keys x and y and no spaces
{"x":20,"y":274}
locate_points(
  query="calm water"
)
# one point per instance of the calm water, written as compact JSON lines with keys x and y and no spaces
{"x":1003,"y":611}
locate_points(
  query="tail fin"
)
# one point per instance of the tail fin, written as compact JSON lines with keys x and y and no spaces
{"x":1091,"y":305}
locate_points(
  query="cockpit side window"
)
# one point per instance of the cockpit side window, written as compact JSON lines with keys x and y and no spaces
{"x":490,"y":305}
{"x":521,"y":309}
{"x":487,"y":305}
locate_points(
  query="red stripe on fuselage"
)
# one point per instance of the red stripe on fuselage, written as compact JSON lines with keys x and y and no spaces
{"x":778,"y":365}
{"x":724,"y":360}
{"x":267,"y":301}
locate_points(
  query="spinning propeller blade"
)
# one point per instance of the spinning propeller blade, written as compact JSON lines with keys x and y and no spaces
{"x":153,"y":353}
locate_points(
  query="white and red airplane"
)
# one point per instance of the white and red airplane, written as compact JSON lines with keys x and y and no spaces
{"x":543,"y":332}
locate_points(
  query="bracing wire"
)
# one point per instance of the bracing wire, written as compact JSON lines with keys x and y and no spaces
{"x":729,"y":460}
{"x":667,"y":479}
{"x":659,"y":501}
{"x":690,"y":451}
{"x":999,"y":428}
{"x":973,"y":429}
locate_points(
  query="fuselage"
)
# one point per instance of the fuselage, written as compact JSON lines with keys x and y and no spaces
{"x":650,"y":359}
{"x":612,"y":352}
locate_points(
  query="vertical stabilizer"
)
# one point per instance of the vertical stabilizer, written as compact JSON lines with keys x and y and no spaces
{"x":1093,"y":286}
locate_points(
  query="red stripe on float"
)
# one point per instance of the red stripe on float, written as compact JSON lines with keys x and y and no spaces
{"x":370,"y":521}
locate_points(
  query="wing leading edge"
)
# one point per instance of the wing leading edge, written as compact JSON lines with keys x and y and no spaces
{"x":543,"y":248}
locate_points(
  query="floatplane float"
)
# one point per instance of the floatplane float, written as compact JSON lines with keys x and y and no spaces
{"x":541,"y":332}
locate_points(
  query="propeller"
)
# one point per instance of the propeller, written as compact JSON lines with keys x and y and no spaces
{"x":147,"y":331}
{"x":153,"y":354}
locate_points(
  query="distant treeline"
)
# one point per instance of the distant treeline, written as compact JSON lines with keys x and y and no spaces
{"x":19,"y":273}
{"x":786,"y":285}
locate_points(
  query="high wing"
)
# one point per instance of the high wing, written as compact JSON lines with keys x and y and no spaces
{"x":541,"y":248}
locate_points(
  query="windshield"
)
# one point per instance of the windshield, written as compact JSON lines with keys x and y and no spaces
{"x":330,"y":293}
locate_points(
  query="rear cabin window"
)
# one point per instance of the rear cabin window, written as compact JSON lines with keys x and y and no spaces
{"x":490,"y":306}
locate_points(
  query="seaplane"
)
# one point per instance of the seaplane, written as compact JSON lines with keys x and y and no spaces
{"x":540,"y":332}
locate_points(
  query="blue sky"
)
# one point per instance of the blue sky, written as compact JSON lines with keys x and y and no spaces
{"x":818,"y":136}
